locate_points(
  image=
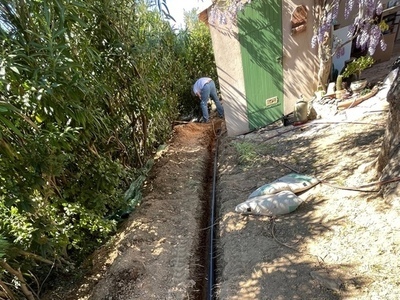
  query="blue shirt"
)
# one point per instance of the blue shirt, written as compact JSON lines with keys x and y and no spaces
{"x":199,"y":84}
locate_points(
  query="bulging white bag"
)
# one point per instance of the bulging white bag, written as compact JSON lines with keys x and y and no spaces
{"x":283,"y":202}
{"x":292,"y":182}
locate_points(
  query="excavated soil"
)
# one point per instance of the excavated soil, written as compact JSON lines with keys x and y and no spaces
{"x":160,"y":251}
{"x":342,"y":242}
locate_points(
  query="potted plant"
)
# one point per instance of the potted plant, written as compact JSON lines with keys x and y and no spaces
{"x":355,"y":68}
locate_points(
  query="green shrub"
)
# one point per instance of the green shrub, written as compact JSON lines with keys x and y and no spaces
{"x":357,"y":66}
{"x":88,"y":92}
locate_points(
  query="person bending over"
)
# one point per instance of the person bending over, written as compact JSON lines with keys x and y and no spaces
{"x":204,"y":88}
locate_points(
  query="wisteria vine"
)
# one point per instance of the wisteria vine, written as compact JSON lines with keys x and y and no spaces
{"x":364,"y":28}
{"x":223,"y":12}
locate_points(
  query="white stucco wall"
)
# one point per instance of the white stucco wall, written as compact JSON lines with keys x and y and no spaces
{"x":230,"y":74}
{"x":300,"y":61}
{"x":300,"y":66}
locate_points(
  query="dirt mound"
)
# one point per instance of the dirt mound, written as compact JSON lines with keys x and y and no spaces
{"x":159,"y":252}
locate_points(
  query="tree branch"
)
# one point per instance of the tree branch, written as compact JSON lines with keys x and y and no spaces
{"x":7,"y":294}
{"x":35,"y":257}
{"x":24,"y":287}
{"x":345,"y":43}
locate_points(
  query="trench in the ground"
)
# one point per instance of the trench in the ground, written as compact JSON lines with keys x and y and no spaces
{"x":200,"y":264}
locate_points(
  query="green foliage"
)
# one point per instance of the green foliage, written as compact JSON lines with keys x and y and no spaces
{"x":161,"y":6}
{"x":88,"y":91}
{"x":4,"y":246}
{"x":197,"y":56}
{"x":357,"y":66}
{"x":251,"y":154}
{"x":365,"y":91}
{"x":383,"y":26}
{"x":247,"y":152}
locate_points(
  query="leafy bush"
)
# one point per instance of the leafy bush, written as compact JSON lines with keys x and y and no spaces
{"x":88,"y":91}
{"x":197,"y":56}
{"x":357,"y":66}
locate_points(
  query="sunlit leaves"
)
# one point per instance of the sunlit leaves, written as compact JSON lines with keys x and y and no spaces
{"x":85,"y":96}
{"x":88,"y":91}
{"x":162,"y":7}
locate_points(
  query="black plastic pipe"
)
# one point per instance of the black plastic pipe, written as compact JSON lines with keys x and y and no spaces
{"x":211,"y":256}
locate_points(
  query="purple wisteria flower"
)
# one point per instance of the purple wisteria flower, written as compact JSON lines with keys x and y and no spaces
{"x":227,"y":12}
{"x":364,"y":29}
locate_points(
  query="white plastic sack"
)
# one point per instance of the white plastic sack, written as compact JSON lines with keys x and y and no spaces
{"x":270,"y":205}
{"x":292,"y":182}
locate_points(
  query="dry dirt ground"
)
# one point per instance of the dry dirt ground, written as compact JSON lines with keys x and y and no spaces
{"x":343,"y":241}
{"x":339,"y":243}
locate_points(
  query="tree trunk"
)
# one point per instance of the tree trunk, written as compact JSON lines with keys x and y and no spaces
{"x":325,"y":64}
{"x":324,"y":47}
{"x":388,"y":161}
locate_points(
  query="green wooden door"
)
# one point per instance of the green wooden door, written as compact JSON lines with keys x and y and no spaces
{"x":260,"y":37}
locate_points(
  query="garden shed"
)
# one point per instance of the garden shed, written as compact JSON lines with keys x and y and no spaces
{"x":264,"y":59}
